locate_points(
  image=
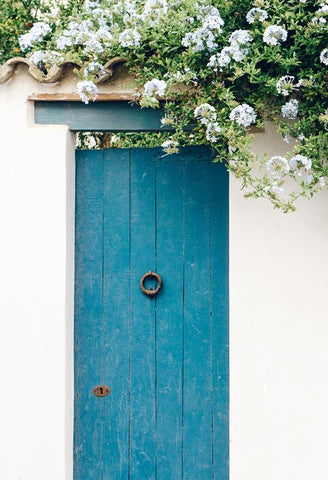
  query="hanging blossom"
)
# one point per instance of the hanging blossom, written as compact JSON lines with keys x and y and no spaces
{"x":205,"y":36}
{"x":274,"y":34}
{"x":300,"y":166}
{"x":278,"y":166}
{"x":87,"y":34}
{"x":324,"y":56}
{"x":154,"y":10}
{"x":290,"y":109}
{"x":36,"y":34}
{"x":285,"y":85}
{"x":211,"y":132}
{"x":155,"y":87}
{"x":130,"y":38}
{"x":300,"y":160}
{"x":237,"y":50}
{"x":319,"y":18}
{"x":244,"y":115}
{"x":240,"y":37}
{"x":227,"y":54}
{"x":274,"y":189}
{"x":256,"y":15}
{"x":94,"y":68}
{"x":87,"y":91}
{"x":40,"y":58}
{"x":90,"y":5}
{"x":168,"y":120}
{"x":205,"y":113}
{"x":170,"y":146}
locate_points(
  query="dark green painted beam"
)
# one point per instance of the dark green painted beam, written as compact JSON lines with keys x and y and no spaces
{"x":99,"y":116}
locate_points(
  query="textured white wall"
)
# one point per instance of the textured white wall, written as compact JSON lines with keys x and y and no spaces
{"x":279,"y":328}
{"x":279,"y":335}
{"x":34,"y":413}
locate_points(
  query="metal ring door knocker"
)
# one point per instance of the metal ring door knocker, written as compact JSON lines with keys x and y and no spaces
{"x":150,"y":291}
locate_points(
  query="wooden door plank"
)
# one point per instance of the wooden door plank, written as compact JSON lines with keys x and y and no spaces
{"x":219,"y":204}
{"x":88,"y":315}
{"x":169,"y":314}
{"x":197,"y":410}
{"x":142,"y":334}
{"x":116,"y":312}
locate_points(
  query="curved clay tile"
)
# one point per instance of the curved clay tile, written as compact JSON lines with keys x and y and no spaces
{"x":55,"y":73}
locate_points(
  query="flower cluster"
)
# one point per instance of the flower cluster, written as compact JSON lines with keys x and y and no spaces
{"x":290,"y":109}
{"x":207,"y":116}
{"x":256,"y":15}
{"x":298,"y":166}
{"x":244,"y":115}
{"x":237,"y":50}
{"x":274,"y":34}
{"x":205,"y":36}
{"x":245,"y":62}
{"x":36,"y":34}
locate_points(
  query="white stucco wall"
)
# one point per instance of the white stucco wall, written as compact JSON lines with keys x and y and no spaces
{"x":279,"y":327}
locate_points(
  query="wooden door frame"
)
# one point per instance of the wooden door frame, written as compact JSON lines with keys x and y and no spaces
{"x":111,"y":113}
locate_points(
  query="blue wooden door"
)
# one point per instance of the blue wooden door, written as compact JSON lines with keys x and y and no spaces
{"x":165,"y":359}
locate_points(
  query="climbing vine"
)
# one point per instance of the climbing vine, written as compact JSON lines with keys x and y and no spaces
{"x":236,"y":63}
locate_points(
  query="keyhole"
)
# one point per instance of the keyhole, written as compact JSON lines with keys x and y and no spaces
{"x":101,"y":391}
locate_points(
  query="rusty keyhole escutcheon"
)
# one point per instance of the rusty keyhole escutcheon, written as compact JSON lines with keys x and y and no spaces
{"x":101,"y":391}
{"x":150,"y":291}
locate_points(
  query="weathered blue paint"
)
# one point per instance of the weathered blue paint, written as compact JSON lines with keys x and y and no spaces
{"x":166,"y":359}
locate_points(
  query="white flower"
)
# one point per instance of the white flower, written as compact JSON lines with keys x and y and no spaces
{"x":170,"y":146}
{"x":90,"y":5}
{"x":274,"y":34}
{"x":155,"y":87}
{"x":276,"y":190}
{"x":152,"y":5}
{"x":285,"y":85}
{"x":36,"y":34}
{"x":93,"y":45}
{"x":244,"y":115}
{"x":298,"y":161}
{"x":290,"y":109}
{"x":87,"y":90}
{"x":130,"y":38}
{"x":94,"y":68}
{"x":324,"y":56}
{"x":204,"y":37}
{"x":256,"y":15}
{"x":308,"y":179}
{"x":322,"y":182}
{"x":211,"y":131}
{"x":40,"y":57}
{"x":205,"y":113}
{"x":213,"y":23}
{"x":168,"y":120}
{"x":227,"y":54}
{"x":277,"y":166}
{"x":240,"y":37}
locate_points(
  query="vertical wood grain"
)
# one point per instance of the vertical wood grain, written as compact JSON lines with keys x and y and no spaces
{"x":116,"y":312}
{"x":88,"y":431}
{"x":219,"y":251}
{"x":197,"y":408}
{"x":143,"y":334}
{"x":169,"y":314}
